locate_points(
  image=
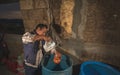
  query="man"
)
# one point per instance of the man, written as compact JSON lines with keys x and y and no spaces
{"x":33,"y":43}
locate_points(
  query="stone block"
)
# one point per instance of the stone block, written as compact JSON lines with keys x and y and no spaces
{"x":42,"y":22}
{"x":26,"y":4}
{"x":29,"y":24}
{"x":37,"y":14}
{"x":25,"y":14}
{"x":41,"y":4}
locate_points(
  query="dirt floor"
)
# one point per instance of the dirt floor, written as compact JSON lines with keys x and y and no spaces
{"x":76,"y":70}
{"x":5,"y":71}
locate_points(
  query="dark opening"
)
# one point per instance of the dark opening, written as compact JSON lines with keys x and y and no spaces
{"x":12,"y":26}
{"x":10,"y":17}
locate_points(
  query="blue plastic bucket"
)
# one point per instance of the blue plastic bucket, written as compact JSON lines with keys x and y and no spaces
{"x":48,"y":69}
{"x":97,"y":68}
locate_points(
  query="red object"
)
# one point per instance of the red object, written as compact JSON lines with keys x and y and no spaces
{"x":12,"y":66}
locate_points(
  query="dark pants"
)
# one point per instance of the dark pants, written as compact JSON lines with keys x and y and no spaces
{"x":32,"y":71}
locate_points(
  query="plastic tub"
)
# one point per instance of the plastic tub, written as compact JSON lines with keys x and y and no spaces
{"x":97,"y":68}
{"x":46,"y":70}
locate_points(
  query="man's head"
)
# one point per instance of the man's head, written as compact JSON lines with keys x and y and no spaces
{"x":41,"y":29}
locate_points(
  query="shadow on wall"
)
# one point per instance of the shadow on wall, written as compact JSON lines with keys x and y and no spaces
{"x":58,"y":28}
{"x":77,"y":15}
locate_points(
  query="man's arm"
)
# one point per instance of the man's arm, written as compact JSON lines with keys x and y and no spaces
{"x":27,"y":38}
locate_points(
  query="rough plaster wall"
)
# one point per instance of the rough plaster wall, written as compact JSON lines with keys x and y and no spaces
{"x":66,"y":17}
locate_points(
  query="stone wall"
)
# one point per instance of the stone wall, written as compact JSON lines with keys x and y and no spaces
{"x":102,"y":30}
{"x":103,"y":21}
{"x":96,"y":31}
{"x":91,"y":26}
{"x":92,"y":21}
{"x":33,"y":13}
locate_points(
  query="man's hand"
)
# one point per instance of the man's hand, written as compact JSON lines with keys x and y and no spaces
{"x":47,"y":38}
{"x":38,"y":37}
